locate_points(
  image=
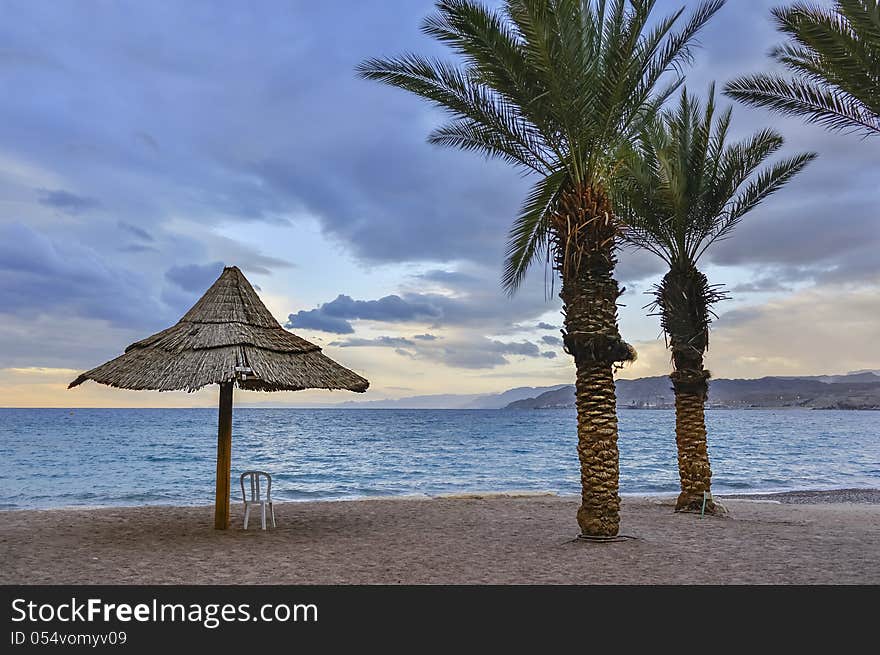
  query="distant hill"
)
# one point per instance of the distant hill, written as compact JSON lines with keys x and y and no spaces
{"x":502,"y":400}
{"x":453,"y":401}
{"x":857,"y":390}
{"x":853,"y":391}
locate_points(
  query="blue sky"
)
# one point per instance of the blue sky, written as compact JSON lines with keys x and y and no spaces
{"x":143,"y":145}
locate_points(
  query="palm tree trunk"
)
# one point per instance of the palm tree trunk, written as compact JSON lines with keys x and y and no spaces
{"x":599,"y":513}
{"x":584,"y":238}
{"x":684,"y":297}
{"x":690,"y":437}
{"x":592,"y":338}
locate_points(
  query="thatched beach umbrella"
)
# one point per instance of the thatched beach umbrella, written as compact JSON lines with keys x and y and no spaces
{"x":227,"y":338}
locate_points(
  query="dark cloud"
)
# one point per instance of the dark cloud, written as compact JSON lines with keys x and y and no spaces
{"x":245,"y":257}
{"x":38,"y":341}
{"x":453,"y":206}
{"x":473,"y":353}
{"x":549,"y":354}
{"x":476,"y":303}
{"x":481,"y":353}
{"x":195,"y":278}
{"x":526,"y":348}
{"x":43,"y":276}
{"x":158,"y":107}
{"x":315,"y":320}
{"x":453,"y":278}
{"x":390,"y":308}
{"x":551,"y":340}
{"x":737,"y":317}
{"x":384,"y":342}
{"x":66,"y":201}
{"x":791,"y":234}
{"x":425,"y":337}
{"x":637,"y":265}
{"x":137,"y":248}
{"x":545,"y":326}
{"x":761,"y":285}
{"x":334,"y":316}
{"x":862,"y":265}
{"x":147,"y":140}
{"x":136,"y":231}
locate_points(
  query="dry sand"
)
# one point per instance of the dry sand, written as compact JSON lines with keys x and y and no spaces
{"x":489,"y":539}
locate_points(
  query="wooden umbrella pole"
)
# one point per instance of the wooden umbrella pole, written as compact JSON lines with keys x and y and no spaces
{"x":224,"y":457}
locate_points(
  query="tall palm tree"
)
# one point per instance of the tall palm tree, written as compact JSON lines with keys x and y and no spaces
{"x":555,"y":87}
{"x":683,"y":188}
{"x":834,"y":54}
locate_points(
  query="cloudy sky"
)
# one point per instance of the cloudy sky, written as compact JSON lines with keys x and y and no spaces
{"x":144,"y":145}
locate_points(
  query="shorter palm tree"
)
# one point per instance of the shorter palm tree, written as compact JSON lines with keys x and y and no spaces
{"x":834,"y":54}
{"x":685,"y":187}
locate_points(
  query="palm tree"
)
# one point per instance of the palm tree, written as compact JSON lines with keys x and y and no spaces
{"x":834,"y":55}
{"x":683,"y":188}
{"x":555,"y":87}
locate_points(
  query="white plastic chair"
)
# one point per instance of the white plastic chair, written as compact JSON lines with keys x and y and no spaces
{"x":256,"y":497}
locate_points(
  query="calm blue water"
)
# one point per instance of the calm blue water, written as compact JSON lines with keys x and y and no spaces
{"x":58,"y":458}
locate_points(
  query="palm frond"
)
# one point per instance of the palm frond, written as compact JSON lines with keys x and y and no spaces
{"x":453,"y":90}
{"x":764,"y":185}
{"x":663,"y":52}
{"x":834,"y":56}
{"x":492,"y":52}
{"x":827,"y":106}
{"x":684,"y":187}
{"x":469,"y":135}
{"x":529,"y":234}
{"x":554,"y":87}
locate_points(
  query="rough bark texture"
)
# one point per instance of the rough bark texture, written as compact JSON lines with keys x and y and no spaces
{"x":584,"y":243}
{"x":684,"y":298}
{"x":693,"y":454}
{"x":599,"y":513}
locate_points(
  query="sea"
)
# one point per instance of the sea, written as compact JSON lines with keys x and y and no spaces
{"x":55,"y":458}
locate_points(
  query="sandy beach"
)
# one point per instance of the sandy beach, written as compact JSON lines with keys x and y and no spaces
{"x":796,"y":538}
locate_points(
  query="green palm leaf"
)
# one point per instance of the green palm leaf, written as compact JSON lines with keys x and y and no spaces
{"x":834,"y":55}
{"x":528,"y":236}
{"x":684,"y":187}
{"x":554,"y":87}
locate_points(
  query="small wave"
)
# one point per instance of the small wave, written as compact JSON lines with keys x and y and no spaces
{"x":514,"y":493}
{"x":168,"y":458}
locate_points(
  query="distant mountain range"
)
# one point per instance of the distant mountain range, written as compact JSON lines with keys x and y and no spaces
{"x":453,"y":401}
{"x":858,"y":390}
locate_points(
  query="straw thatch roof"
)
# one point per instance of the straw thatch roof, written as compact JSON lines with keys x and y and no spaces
{"x":227,"y":335}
